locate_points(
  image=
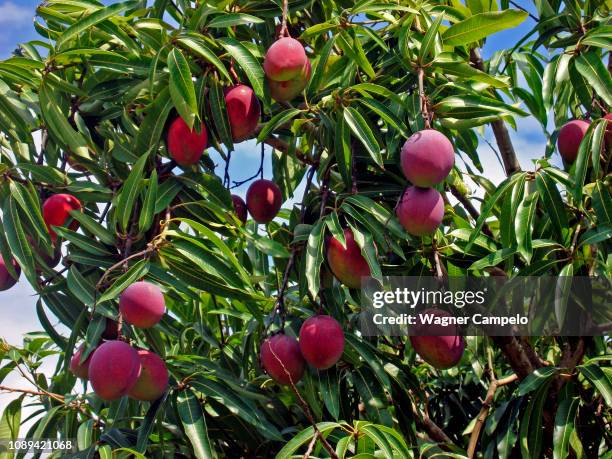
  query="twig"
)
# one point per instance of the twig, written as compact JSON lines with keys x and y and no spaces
{"x":484,"y":411}
{"x":104,"y":212}
{"x":55,"y":276}
{"x":41,"y":393}
{"x":232,"y":71}
{"x":226,"y":177}
{"x":311,"y":446}
{"x":423,"y":99}
{"x":150,"y":249}
{"x":258,"y":173}
{"x":516,"y":5}
{"x":433,"y":430}
{"x":317,"y":432}
{"x":283,"y":32}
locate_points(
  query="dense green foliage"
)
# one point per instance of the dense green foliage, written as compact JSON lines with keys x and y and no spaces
{"x":100,"y":88}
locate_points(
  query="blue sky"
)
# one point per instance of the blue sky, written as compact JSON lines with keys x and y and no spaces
{"x":17,"y":306}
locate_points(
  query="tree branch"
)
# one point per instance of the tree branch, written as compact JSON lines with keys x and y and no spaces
{"x":506,"y":149}
{"x":484,"y":411}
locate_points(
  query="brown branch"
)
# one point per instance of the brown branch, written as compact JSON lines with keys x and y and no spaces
{"x":423,"y":99}
{"x":33,"y":393}
{"x":484,"y":411}
{"x":516,"y":355}
{"x":284,"y":32}
{"x":502,"y":137}
{"x":311,"y":446}
{"x":317,"y":432}
{"x":434,"y":431}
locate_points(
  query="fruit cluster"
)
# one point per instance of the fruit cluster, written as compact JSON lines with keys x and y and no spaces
{"x":427,"y":158}
{"x":321,"y":345}
{"x":115,"y":368}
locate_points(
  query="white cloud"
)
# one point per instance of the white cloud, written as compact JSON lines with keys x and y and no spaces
{"x":10,"y":13}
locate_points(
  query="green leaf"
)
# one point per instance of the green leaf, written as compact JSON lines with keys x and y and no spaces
{"x":387,"y":115}
{"x":182,"y":89}
{"x":277,"y":120}
{"x":247,"y":62}
{"x":91,"y":20}
{"x":530,"y":431}
{"x":194,"y":423}
{"x":535,"y":380}
{"x":370,"y":88}
{"x":152,"y":127}
{"x":314,"y":257}
{"x":562,"y":291}
{"x":379,"y":212}
{"x":304,"y":437}
{"x":602,"y":203}
{"x":86,"y":243}
{"x":493,"y":259}
{"x":368,"y":250}
{"x":218,"y":242}
{"x":564,"y":426}
{"x":473,"y":106}
{"x":148,"y":206}
{"x":48,"y":326}
{"x":57,"y":122}
{"x":489,"y":205}
{"x":453,"y":64}
{"x":523,"y":225}
{"x":85,"y":435}
{"x":333,"y":223}
{"x":343,"y":151}
{"x":319,"y":68}
{"x":553,"y":205}
{"x":362,"y":131}
{"x":595,"y":235}
{"x":96,"y":327}
{"x":233,"y":19}
{"x":429,"y":40}
{"x":195,"y":43}
{"x":79,"y":286}
{"x":10,"y":423}
{"x":137,"y":271}
{"x":17,"y":241}
{"x":94,"y":227}
{"x":271,"y":247}
{"x":329,"y":386}
{"x":237,"y":405}
{"x":144,"y":432}
{"x":481,"y":25}
{"x":599,"y":379}
{"x":219,"y":113}
{"x":372,"y":394}
{"x":129,"y":192}
{"x":379,"y":439}
{"x":351,"y":46}
{"x":27,"y":198}
{"x":594,"y":71}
